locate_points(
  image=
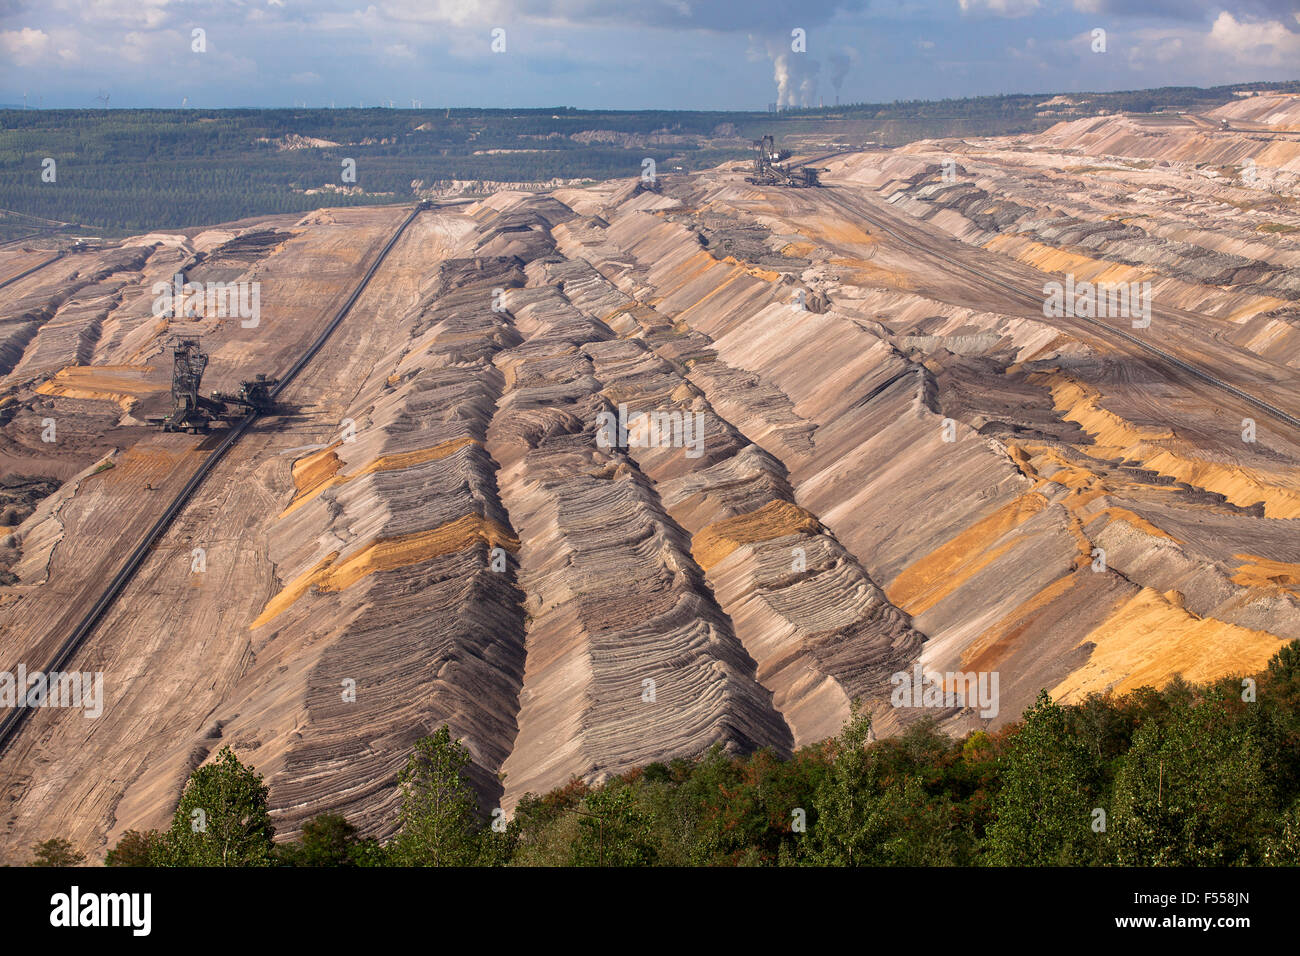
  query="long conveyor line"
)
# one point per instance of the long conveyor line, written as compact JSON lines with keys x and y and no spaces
{"x":16,"y":716}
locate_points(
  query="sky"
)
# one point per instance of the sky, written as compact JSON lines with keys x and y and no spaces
{"x":624,"y":54}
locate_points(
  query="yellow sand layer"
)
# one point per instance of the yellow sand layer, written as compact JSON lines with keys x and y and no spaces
{"x":1241,"y":485}
{"x":1080,"y":403}
{"x":799,"y":250}
{"x":864,"y":272}
{"x":1257,"y":572}
{"x":1067,"y":474}
{"x":1254,"y":307}
{"x":1118,"y":438}
{"x":319,"y":469}
{"x":142,"y":465}
{"x":315,"y":469}
{"x":1151,"y":637}
{"x":625,"y":307}
{"x":775,"y":519}
{"x":718,"y":289}
{"x":123,"y":384}
{"x":385,"y":554}
{"x":1088,"y":484}
{"x":997,"y":643}
{"x":1050,"y":259}
{"x":693,"y":267}
{"x":926,"y":582}
{"x":834,"y":229}
{"x":759,"y":273}
{"x":1088,"y":487}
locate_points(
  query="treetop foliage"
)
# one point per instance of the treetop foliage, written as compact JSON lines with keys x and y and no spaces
{"x":1190,"y":775}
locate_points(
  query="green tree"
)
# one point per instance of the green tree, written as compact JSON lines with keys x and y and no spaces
{"x":737,"y":810}
{"x":852,"y":819}
{"x":222,"y":818}
{"x":56,"y":852}
{"x":136,"y":849}
{"x":1044,"y":812}
{"x":439,"y":816}
{"x":613,"y":830}
{"x":545,"y":827}
{"x":1282,"y":846}
{"x":1284,"y":666}
{"x":329,"y":840}
{"x":924,"y":827}
{"x":702,"y":809}
{"x":1192,"y":790}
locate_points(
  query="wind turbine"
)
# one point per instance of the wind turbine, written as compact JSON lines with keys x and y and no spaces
{"x":103,"y":98}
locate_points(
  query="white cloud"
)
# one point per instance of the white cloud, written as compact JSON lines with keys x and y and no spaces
{"x":139,"y":47}
{"x":1167,"y":50}
{"x":1148,"y":48}
{"x":457,"y":13}
{"x":1001,"y":8}
{"x":25,"y":45}
{"x":760,"y":15}
{"x":1263,"y":43}
{"x":144,"y":14}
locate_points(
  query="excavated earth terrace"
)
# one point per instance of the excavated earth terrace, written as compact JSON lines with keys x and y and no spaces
{"x":605,"y":476}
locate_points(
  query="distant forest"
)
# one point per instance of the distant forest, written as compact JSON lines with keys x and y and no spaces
{"x":117,"y":172}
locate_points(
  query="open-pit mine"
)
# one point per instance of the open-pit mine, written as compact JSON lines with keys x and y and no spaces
{"x":603,"y":476}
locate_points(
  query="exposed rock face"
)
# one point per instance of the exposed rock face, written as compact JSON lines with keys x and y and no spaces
{"x":19,"y":495}
{"x":608,"y":476}
{"x":390,"y":534}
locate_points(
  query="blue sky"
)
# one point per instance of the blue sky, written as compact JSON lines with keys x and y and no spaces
{"x":680,"y":54}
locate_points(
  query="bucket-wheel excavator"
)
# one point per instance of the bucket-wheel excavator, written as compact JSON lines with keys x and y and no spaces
{"x":194,"y":412}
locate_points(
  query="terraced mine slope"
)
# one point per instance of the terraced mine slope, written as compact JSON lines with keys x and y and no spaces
{"x":866,"y":450}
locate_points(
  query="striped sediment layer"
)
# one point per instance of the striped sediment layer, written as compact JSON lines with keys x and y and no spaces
{"x":913,"y":467}
{"x":54,"y":317}
{"x":629,"y":657}
{"x":396,"y":548}
{"x":804,"y":623}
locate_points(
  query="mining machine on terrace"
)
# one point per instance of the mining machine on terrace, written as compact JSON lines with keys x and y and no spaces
{"x":194,"y":412}
{"x":771,"y":170}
